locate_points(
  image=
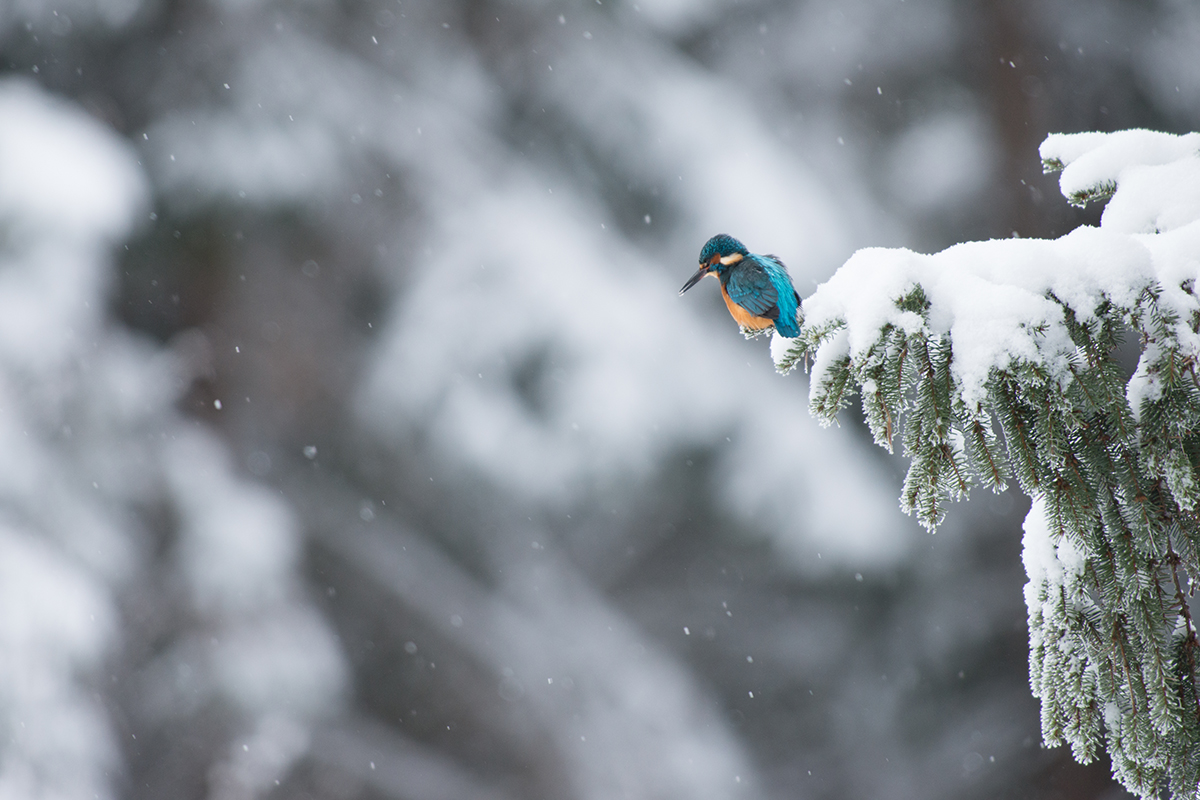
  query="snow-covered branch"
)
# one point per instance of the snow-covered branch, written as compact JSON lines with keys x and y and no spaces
{"x":1000,"y":359}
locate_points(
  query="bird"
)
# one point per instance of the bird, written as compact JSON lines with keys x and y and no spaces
{"x":757,"y":289}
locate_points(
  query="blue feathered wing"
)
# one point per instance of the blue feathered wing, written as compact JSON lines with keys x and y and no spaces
{"x":760,"y":284}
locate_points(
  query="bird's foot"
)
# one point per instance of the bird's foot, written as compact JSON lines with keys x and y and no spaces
{"x":754,"y":333}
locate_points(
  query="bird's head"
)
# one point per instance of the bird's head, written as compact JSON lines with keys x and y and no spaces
{"x":719,"y":254}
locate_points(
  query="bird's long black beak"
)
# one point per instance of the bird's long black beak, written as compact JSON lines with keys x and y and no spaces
{"x":692,"y":281}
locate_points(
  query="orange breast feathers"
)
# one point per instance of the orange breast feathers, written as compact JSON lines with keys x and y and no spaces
{"x":744,"y":317}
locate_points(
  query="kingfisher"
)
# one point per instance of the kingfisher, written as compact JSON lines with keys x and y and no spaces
{"x":757,"y":289}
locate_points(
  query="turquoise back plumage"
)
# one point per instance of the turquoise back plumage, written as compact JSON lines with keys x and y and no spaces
{"x":787,"y":301}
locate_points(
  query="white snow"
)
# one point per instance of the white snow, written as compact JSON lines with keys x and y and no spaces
{"x":991,"y":297}
{"x":68,"y":187}
{"x":1096,"y":159}
{"x":239,"y":543}
{"x":58,"y":173}
{"x":55,"y":621}
{"x":1048,"y":557}
{"x":994,"y":298}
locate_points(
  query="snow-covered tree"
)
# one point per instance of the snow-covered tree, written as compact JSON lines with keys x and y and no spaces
{"x":128,"y":543}
{"x":1003,"y":360}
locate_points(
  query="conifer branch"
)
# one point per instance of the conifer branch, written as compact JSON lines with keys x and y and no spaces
{"x":1014,"y":373}
{"x":1190,"y":643}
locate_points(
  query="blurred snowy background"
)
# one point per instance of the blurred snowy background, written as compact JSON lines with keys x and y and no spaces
{"x":357,"y":444}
